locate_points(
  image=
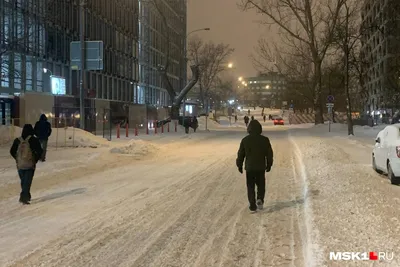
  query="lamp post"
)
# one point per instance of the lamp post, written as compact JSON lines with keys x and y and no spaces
{"x":186,"y":62}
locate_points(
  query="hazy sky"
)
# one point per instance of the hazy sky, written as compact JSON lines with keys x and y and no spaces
{"x":228,"y":25}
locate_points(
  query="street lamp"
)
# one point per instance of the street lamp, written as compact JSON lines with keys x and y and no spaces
{"x":240,"y":79}
{"x":230,"y":65}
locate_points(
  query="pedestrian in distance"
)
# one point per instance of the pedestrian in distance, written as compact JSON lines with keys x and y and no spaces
{"x":246,"y":120}
{"x":43,"y":132}
{"x":256,"y":152}
{"x":26,"y":150}
{"x":265,"y":117}
{"x":252,"y":118}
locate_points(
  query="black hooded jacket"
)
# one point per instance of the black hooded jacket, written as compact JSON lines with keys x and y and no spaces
{"x":256,"y":149}
{"x":34,"y":143}
{"x":43,"y":128}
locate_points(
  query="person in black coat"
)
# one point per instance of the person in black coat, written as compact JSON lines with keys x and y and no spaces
{"x":246,"y":120}
{"x":256,"y":152}
{"x":43,"y":132}
{"x":26,"y":150}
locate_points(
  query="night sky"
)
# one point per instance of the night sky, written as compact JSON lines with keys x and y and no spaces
{"x":229,"y":25}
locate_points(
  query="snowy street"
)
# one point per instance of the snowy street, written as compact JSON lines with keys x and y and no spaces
{"x":184,"y":203}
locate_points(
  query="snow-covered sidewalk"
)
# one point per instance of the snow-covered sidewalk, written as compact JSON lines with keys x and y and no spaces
{"x":354,"y":208}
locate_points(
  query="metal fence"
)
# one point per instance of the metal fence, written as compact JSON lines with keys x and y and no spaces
{"x":65,"y":130}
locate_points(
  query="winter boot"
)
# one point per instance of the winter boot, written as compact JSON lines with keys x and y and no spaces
{"x":260,"y":204}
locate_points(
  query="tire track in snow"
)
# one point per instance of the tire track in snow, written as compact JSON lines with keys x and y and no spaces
{"x":311,"y":248}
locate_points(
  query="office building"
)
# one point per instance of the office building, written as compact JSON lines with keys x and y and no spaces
{"x":380,"y":49}
{"x":162,"y":34}
{"x":266,"y":89}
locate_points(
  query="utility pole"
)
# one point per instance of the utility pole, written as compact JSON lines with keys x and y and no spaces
{"x":82,"y":72}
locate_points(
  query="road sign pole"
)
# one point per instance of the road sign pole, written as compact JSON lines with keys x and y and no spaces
{"x":83,"y":76}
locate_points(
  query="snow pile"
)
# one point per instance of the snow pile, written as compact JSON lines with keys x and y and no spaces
{"x":74,"y":137}
{"x":8,"y":134}
{"x":60,"y":137}
{"x":135,"y":148}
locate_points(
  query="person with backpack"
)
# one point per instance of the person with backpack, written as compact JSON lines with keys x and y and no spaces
{"x":27,"y":151}
{"x":43,"y":132}
{"x":257,"y":151}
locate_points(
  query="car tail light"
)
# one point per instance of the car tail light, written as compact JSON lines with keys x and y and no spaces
{"x":275,"y":121}
{"x":398,"y":151}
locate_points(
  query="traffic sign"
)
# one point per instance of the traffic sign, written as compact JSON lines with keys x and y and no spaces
{"x":291,"y":105}
{"x":330,"y":105}
{"x":330,"y":98}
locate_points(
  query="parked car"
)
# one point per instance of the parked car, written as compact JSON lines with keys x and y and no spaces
{"x":278,"y":121}
{"x":386,"y":153}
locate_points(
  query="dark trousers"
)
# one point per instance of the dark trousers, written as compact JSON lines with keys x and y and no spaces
{"x":26,"y":177}
{"x":44,"y":147}
{"x":254,"y":178}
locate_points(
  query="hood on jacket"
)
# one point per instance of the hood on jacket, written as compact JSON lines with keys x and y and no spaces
{"x":254,"y":127}
{"x":43,"y":117}
{"x":27,"y":131}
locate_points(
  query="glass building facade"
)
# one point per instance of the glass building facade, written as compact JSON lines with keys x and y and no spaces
{"x":156,"y":42}
{"x":36,"y":35}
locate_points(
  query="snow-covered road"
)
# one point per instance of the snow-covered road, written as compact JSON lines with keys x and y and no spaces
{"x":188,"y":207}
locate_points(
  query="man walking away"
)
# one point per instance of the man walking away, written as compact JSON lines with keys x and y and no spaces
{"x":43,"y":132}
{"x":26,"y":150}
{"x":265,"y":117}
{"x":257,"y":151}
{"x":246,"y":120}
{"x":252,"y":118}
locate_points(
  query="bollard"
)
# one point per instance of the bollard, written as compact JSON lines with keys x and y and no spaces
{"x":168,"y":127}
{"x":147,"y":127}
{"x":162,"y":128}
{"x":136,"y":130}
{"x":176,"y":126}
{"x":127,"y":130}
{"x":155,"y":128}
{"x":118,"y":129}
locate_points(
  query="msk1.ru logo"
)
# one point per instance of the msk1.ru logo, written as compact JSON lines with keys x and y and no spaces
{"x":361,"y":256}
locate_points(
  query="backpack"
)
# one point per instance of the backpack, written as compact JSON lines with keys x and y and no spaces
{"x":24,"y":155}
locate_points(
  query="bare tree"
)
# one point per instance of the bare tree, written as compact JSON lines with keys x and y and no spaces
{"x":163,"y":68}
{"x":308,"y":24}
{"x":347,"y":40}
{"x":212,"y":60}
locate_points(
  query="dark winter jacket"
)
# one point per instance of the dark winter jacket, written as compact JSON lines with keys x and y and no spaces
{"x":43,"y":128}
{"x":34,"y":143}
{"x":256,"y":149}
{"x":246,"y":119}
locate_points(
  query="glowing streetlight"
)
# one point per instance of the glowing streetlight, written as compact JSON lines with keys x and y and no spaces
{"x":240,"y":79}
{"x":47,"y":70}
{"x":230,"y":65}
{"x":243,"y":82}
{"x":267,"y":86}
